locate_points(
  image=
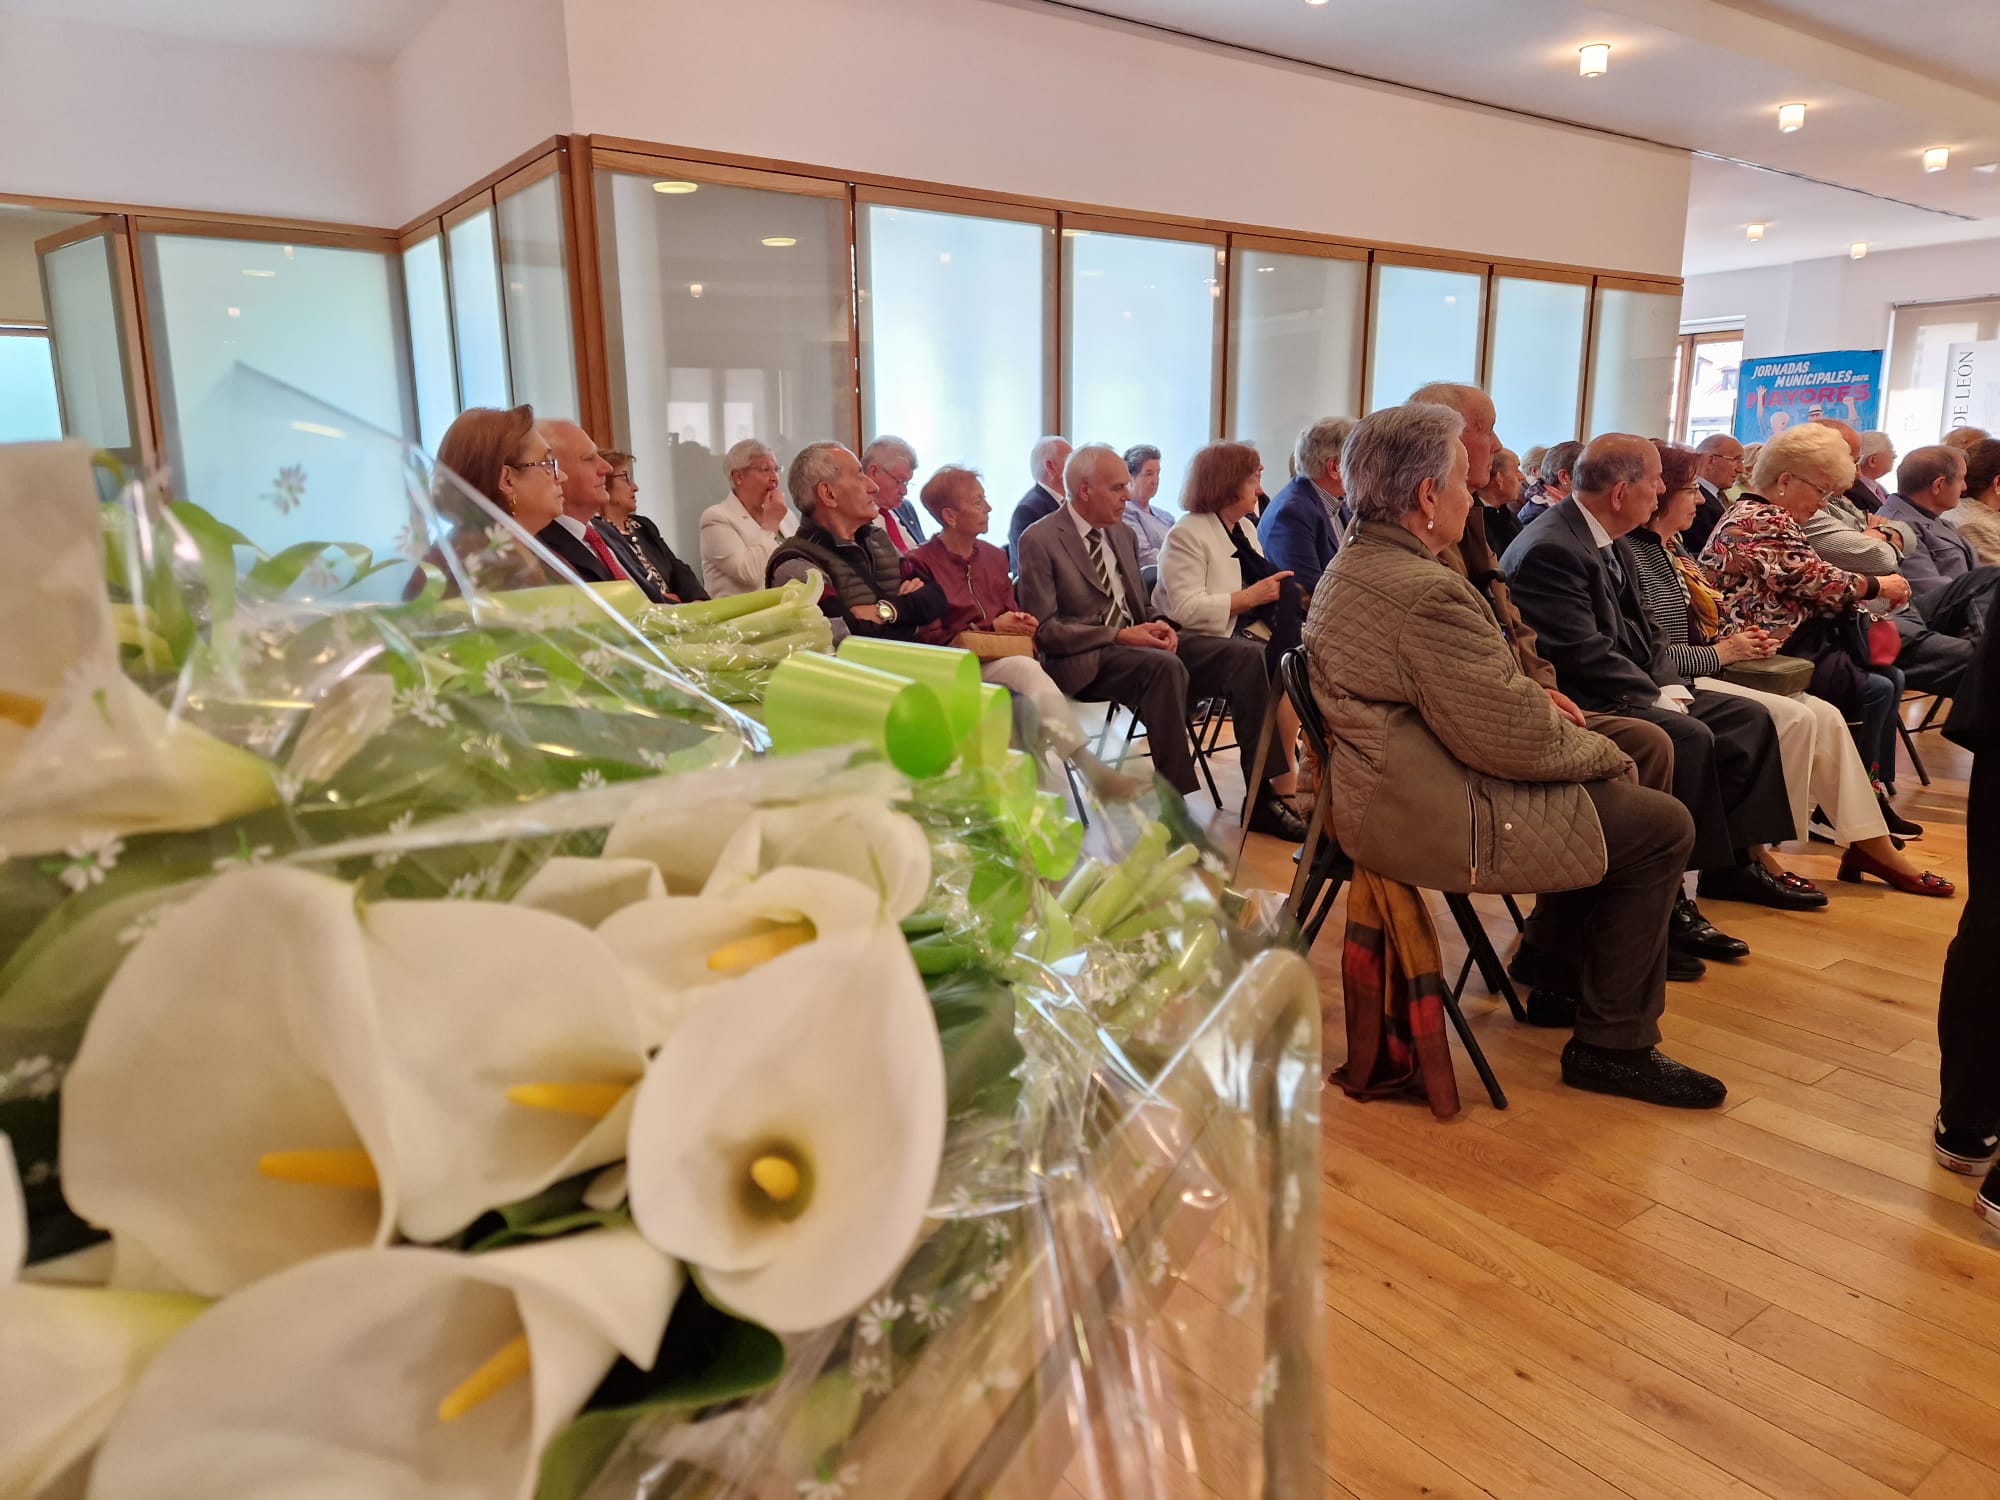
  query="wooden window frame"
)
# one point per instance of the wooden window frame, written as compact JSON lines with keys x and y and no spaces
{"x":1686,"y":346}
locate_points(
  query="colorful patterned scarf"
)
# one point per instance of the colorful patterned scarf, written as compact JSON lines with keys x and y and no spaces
{"x":1392,"y":978}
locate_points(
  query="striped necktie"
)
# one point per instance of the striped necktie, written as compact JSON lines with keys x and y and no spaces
{"x":1107,"y":579}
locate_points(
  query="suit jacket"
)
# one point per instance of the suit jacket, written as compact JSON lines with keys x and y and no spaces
{"x":1867,"y":495}
{"x":1941,"y":553}
{"x":906,"y":517}
{"x":572,"y":550}
{"x":682,"y":581}
{"x":1592,"y":630}
{"x":1298,"y":534}
{"x":1706,"y":515}
{"x":1034,"y":505}
{"x":1057,"y":583}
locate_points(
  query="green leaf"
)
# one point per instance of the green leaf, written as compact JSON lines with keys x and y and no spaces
{"x":975,"y":1021}
{"x":217,"y":544}
{"x":706,"y":1357}
{"x":275,"y":574}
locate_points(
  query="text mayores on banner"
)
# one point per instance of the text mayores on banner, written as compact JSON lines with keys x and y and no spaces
{"x":1773,"y":394}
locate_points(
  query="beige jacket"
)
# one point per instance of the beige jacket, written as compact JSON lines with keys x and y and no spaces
{"x":1452,"y":770}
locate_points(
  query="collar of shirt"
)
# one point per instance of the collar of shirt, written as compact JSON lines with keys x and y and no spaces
{"x":1709,"y":490}
{"x":571,"y":524}
{"x":1049,"y":492}
{"x":1597,"y":532}
{"x":1145,"y":518}
{"x":1083,"y":527}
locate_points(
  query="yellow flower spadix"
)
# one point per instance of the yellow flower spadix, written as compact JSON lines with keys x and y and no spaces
{"x":488,"y":1381}
{"x":341,"y":1169}
{"x":745,"y":954}
{"x":777,"y":1178}
{"x":593,"y":1100}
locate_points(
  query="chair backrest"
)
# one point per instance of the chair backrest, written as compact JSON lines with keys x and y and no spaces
{"x":1298,"y":688}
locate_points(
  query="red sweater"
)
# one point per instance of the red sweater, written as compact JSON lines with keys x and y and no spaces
{"x":977,"y":592}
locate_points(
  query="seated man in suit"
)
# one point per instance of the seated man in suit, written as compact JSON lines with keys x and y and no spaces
{"x":1948,"y":586}
{"x":1555,"y":477}
{"x":891,"y":464}
{"x":1718,"y":465}
{"x":867,"y":589}
{"x":1301,"y":530}
{"x":1046,"y":461}
{"x":585,"y":493}
{"x":1571,"y":584}
{"x":1878,"y":457}
{"x":1079,"y":578}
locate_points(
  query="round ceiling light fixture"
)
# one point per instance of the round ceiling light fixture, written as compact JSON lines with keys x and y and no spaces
{"x":1755,"y":231}
{"x":1593,"y":61}
{"x":1858,"y":250}
{"x":781,"y":242}
{"x":676,"y":187}
{"x":1937,"y":158}
{"x":1791,"y":117}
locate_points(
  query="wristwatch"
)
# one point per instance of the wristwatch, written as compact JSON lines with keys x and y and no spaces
{"x":885,"y":612}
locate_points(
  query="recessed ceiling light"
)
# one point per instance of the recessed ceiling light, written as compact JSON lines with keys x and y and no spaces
{"x":694,"y":288}
{"x":1592,"y":61}
{"x":781,"y":242}
{"x":1988,"y":167}
{"x":1266,"y":270}
{"x":262,"y":275}
{"x":675,"y":187}
{"x":944,"y":257}
{"x":234,"y":312}
{"x":1755,"y":231}
{"x":1791,"y":117}
{"x":1450,"y":301}
{"x":1858,"y":250}
{"x":1937,"y":158}
{"x":1315,"y":2}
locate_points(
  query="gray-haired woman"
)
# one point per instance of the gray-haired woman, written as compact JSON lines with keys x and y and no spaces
{"x":1458,"y":774}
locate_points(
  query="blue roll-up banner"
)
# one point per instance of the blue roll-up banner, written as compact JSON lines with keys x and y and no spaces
{"x":1773,"y":394}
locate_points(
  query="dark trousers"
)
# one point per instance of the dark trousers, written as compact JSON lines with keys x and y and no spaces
{"x":1607,"y":943}
{"x":1931,"y":660}
{"x":1728,"y":774}
{"x":1237,"y":668}
{"x":1154,"y":685}
{"x":1969,"y":1001}
{"x":1875,"y":737}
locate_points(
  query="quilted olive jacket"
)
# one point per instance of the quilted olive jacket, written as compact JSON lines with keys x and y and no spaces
{"x":1451,"y":770}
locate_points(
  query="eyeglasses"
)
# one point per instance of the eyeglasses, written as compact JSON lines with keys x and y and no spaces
{"x":624,"y":474}
{"x":1822,"y":492}
{"x":548,"y":463}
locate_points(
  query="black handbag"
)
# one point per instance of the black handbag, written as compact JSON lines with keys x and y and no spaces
{"x":1838,"y":651}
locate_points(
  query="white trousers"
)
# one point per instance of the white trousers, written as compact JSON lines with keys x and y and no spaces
{"x":1821,"y":762}
{"x":1023,"y":675}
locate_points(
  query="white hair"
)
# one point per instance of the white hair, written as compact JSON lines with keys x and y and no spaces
{"x":1392,"y":452}
{"x":1083,"y":460}
{"x":1877,"y":442}
{"x":816,"y":464}
{"x":1320,"y":442}
{"x":742,"y":455}
{"x":886,"y":449}
{"x":1043,"y":453}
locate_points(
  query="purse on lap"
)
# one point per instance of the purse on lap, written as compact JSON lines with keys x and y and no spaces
{"x":990,"y":645}
{"x":1787,"y":676}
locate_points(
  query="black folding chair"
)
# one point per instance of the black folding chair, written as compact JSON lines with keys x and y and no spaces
{"x":1908,"y":735}
{"x":1204,"y":730}
{"x":1324,"y":868}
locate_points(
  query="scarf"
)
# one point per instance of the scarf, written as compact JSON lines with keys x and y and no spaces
{"x":1392,"y":977}
{"x":1704,"y":603}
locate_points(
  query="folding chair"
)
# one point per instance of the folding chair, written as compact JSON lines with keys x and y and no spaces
{"x":1204,"y":731}
{"x":1324,"y":868}
{"x":1908,"y":735}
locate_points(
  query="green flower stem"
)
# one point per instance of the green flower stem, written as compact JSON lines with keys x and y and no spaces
{"x":924,"y":924}
{"x":1115,"y":896}
{"x":1160,"y":917}
{"x":702,"y":612}
{"x":1176,"y":975}
{"x":1088,"y":873}
{"x":937,"y":954}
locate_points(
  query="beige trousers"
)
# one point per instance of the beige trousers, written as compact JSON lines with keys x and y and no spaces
{"x":1821,"y":762}
{"x":1024,"y":677}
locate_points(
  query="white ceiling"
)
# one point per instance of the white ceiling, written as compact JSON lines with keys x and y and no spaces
{"x":1882,"y":81}
{"x":376,"y":29}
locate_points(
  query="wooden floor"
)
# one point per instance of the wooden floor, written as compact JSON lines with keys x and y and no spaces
{"x":1582,"y":1296}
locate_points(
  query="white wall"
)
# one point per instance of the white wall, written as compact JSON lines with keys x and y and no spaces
{"x":1034,"y":100}
{"x":98,"y":112}
{"x":481,"y":83}
{"x":1816,"y":305}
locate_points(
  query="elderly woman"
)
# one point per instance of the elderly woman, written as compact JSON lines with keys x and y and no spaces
{"x":1769,"y":577}
{"x":1457,"y":773}
{"x":739,"y":535}
{"x":503,"y":456}
{"x":1978,"y":515}
{"x":1215,"y":580}
{"x":1822,"y":765}
{"x":1148,"y":525}
{"x":668,"y":579}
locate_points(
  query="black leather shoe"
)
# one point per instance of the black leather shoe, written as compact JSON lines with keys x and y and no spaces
{"x":1754,"y":884}
{"x":1647,"y":1075}
{"x":1551,"y":1008}
{"x":1899,"y":825}
{"x":1683,"y":968}
{"x":1690,"y":932}
{"x":1272,"y":816}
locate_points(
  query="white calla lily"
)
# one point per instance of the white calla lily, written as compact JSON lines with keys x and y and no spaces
{"x":590,"y":890}
{"x":273,"y":1075}
{"x":679,"y":947}
{"x":452,"y":1373}
{"x":13,"y":1215}
{"x":787,"y":1138}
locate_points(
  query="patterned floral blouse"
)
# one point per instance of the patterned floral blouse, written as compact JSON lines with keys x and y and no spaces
{"x":1768,"y":573}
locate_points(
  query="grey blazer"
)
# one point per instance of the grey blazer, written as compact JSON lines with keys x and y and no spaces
{"x":1058,"y":585}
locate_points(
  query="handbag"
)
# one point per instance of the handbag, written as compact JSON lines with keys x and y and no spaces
{"x":1786,"y":676}
{"x":1885,"y":642}
{"x":1838,"y":651}
{"x":990,"y":645}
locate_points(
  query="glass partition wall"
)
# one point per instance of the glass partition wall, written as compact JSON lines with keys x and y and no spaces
{"x":1635,"y":334}
{"x":1535,"y":336}
{"x":1425,"y":324}
{"x":1296,"y":314}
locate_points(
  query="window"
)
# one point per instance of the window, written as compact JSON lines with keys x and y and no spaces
{"x":1919,"y":369}
{"x":478,"y":325}
{"x":1633,"y":342}
{"x":534,"y":269}
{"x":86,"y":322}
{"x":728,"y":314}
{"x":1295,"y":346}
{"x":1705,"y":366}
{"x":28,"y":409}
{"x":267,"y":356}
{"x":957,"y":313}
{"x":1536,"y":375}
{"x":1140,"y":350}
{"x":435,"y":374}
{"x":1426,"y":327}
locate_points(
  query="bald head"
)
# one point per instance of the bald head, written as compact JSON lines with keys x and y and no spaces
{"x":1719,"y":460}
{"x":1847,"y":435}
{"x":584,"y":472}
{"x":1098,"y":484}
{"x":1618,"y":481}
{"x":1476,"y":407}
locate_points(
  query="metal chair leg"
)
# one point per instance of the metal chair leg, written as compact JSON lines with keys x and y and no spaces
{"x":1474,"y":1051}
{"x":1520,"y":922}
{"x":1479,"y":948}
{"x":1910,"y":749}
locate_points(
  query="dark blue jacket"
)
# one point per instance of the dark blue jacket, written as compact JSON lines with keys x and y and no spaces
{"x":1298,"y":534}
{"x":1037,"y":503}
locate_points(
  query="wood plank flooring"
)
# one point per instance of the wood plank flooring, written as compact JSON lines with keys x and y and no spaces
{"x":1581,"y":1296}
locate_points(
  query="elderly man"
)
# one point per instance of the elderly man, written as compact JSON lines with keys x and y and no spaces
{"x":1556,"y":477}
{"x":739,"y":535}
{"x":891,"y":464}
{"x":866,"y":588}
{"x":1079,"y":578}
{"x":1301,"y":529}
{"x":1878,"y":457}
{"x":1500,"y":501}
{"x":1047,"y":461}
{"x":1718,"y":465}
{"x":1579,"y":591}
{"x":595,"y":552}
{"x":1947,"y":584}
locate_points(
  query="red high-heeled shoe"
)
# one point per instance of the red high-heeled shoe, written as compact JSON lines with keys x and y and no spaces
{"x":1855,"y":863}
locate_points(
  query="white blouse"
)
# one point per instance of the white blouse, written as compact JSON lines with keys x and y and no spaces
{"x":735,"y":550}
{"x":1198,"y":573}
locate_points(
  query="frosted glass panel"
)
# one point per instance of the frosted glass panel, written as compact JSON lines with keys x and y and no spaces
{"x":955,"y":315}
{"x":1918,"y":371}
{"x":1295,"y":352}
{"x":84,"y":320}
{"x":28,"y":412}
{"x":1537,"y":366}
{"x":430,"y":340}
{"x":1140,"y":355}
{"x":475,"y":314}
{"x":1426,"y":328}
{"x":1632,"y":362}
{"x":715,"y":336}
{"x":534,"y":269}
{"x":321,"y":321}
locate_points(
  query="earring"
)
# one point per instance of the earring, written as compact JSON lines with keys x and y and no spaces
{"x":1430,"y":525}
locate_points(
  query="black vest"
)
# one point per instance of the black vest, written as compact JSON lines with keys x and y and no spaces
{"x":861,"y":572}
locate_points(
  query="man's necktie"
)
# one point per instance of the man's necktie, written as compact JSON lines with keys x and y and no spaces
{"x":602,"y":548}
{"x":1107,"y":579}
{"x":1614,"y":568}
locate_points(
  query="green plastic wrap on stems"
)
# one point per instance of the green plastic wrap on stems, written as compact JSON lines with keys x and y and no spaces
{"x":705,"y":612}
{"x":1171,"y":978}
{"x":950,"y":673}
{"x":815,"y":702}
{"x":1114,"y":896}
{"x":986,"y":745}
{"x":1081,"y":883}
